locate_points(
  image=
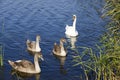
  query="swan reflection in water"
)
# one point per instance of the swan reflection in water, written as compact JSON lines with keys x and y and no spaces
{"x":72,"y":40}
{"x":23,"y":76}
{"x":62,"y":62}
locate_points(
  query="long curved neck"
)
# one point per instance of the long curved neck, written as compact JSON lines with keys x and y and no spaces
{"x":74,"y":24}
{"x":61,"y":44}
{"x":37,"y":67}
{"x":37,"y":43}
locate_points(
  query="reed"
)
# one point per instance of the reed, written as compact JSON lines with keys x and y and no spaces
{"x":1,"y":56}
{"x":111,"y":39}
{"x":1,"y":46}
{"x":97,"y":63}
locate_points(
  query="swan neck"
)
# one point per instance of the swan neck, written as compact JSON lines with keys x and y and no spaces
{"x":37,"y":43}
{"x":37,"y":67}
{"x":74,"y":23}
{"x":61,"y":44}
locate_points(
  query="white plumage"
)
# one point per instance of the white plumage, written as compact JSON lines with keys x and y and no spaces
{"x":71,"y":30}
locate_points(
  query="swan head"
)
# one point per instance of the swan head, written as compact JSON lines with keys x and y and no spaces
{"x":63,"y":40}
{"x":38,"y":37}
{"x":74,"y":17}
{"x":39,"y":55}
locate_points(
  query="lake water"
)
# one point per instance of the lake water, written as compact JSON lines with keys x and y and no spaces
{"x":24,"y":19}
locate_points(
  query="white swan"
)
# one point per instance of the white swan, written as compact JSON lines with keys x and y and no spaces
{"x":27,"y":66}
{"x":59,"y":49}
{"x":33,"y":46}
{"x":71,"y":30}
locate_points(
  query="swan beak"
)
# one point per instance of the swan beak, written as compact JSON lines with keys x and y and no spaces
{"x":42,"y":58}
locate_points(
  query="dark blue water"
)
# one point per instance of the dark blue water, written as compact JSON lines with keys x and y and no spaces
{"x":23,"y":19}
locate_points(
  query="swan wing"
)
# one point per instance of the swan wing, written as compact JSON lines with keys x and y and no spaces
{"x":66,"y":27}
{"x":25,"y":64}
{"x":21,"y":65}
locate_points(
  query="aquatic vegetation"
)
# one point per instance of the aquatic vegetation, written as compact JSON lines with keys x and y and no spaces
{"x":111,"y":39}
{"x":1,"y":47}
{"x":1,"y":56}
{"x":112,"y":8}
{"x":99,"y":64}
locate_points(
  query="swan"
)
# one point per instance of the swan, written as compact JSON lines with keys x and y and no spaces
{"x":33,"y":46}
{"x":71,"y":30}
{"x":27,"y":66}
{"x":59,"y":49}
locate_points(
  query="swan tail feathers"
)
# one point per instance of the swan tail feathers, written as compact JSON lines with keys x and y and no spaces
{"x":12,"y":64}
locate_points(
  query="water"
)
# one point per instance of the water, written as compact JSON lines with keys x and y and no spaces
{"x":48,"y":18}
